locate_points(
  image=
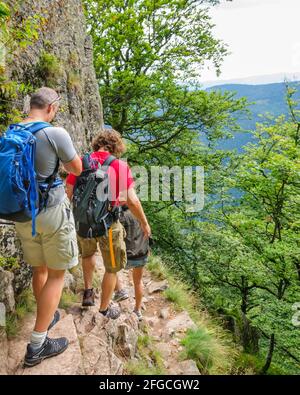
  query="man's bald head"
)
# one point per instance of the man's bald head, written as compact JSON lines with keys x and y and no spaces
{"x":42,"y":98}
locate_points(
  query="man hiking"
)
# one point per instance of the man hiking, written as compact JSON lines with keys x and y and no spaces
{"x":53,"y":248}
{"x":107,"y":147}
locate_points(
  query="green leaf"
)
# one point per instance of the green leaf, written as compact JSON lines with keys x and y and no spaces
{"x":4,"y":10}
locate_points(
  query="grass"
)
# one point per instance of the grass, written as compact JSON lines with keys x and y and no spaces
{"x":144,"y":341}
{"x":178,"y":295}
{"x":201,"y":347}
{"x":74,"y":59}
{"x":149,"y":362}
{"x":49,"y":68}
{"x":248,"y":364}
{"x":25,"y":304}
{"x":140,"y":368}
{"x":210,"y":346}
{"x":96,"y":281}
{"x":74,"y":81}
{"x":9,"y":263}
{"x":68,"y":298}
{"x":156,"y":267}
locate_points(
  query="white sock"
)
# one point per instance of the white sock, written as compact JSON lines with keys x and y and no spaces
{"x":37,"y":339}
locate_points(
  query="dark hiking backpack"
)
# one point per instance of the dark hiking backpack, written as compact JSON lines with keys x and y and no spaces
{"x":137,"y":246}
{"x":92,"y":207}
{"x":22,"y":195}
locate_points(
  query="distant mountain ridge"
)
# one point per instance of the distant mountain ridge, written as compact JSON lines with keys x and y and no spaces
{"x":255,"y":80}
{"x":267,"y":98}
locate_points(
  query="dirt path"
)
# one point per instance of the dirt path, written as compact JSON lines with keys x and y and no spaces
{"x":101,"y":346}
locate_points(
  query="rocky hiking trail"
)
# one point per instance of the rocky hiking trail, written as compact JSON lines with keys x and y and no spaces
{"x":99,"y":346}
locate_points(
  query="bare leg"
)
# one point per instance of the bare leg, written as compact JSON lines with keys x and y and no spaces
{"x":39,"y":279}
{"x":118,"y":285}
{"x":137,"y":274}
{"x":48,"y":299}
{"x":108,"y":286}
{"x":88,"y":267}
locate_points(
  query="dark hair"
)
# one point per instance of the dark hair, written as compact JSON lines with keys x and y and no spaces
{"x":110,"y":140}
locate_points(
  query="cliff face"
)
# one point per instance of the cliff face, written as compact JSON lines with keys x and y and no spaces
{"x":62,"y":58}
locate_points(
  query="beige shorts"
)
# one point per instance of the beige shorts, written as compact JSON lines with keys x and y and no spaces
{"x":112,"y":247}
{"x":55,"y":243}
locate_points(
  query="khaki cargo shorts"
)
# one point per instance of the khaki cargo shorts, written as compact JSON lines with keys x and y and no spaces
{"x":112,"y":247}
{"x":55,"y":243}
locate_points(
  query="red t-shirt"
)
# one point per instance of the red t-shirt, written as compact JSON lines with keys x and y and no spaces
{"x":119,"y":173}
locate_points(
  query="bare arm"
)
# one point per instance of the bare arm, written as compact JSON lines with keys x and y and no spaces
{"x":74,"y":166}
{"x":136,"y":208}
{"x":69,"y":191}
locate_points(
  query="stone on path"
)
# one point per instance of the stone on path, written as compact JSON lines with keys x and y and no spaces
{"x":154,"y":286}
{"x":152,"y":321}
{"x":164,"y":313}
{"x":164,"y":350}
{"x":181,"y":323}
{"x":98,"y":359}
{"x":69,"y":282}
{"x":188,"y":368}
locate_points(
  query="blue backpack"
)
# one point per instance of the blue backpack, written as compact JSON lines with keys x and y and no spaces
{"x":22,"y":197}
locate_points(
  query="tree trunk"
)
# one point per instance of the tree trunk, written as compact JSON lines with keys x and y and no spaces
{"x":297,"y":264}
{"x":270,"y":355}
{"x":249,"y":336}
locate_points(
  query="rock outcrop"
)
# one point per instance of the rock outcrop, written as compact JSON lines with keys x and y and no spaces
{"x":62,"y":58}
{"x":17,"y":276}
{"x":10,"y":247}
{"x":3,"y":352}
{"x":6,"y":290}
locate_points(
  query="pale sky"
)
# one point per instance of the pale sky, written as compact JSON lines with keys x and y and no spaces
{"x":263,"y":36}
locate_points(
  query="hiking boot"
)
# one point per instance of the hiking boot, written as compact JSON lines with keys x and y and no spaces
{"x":121,"y":295}
{"x":112,"y":312}
{"x":50,"y":348}
{"x":88,"y":298}
{"x":139,"y":315}
{"x":55,"y":320}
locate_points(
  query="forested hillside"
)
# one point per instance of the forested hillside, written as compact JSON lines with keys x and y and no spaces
{"x":240,"y":255}
{"x":264,"y":101}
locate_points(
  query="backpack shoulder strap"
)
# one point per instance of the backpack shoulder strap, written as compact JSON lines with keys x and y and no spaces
{"x":51,"y":179}
{"x":86,"y":162}
{"x":37,"y":126}
{"x":109,"y":161}
{"x":32,"y":127}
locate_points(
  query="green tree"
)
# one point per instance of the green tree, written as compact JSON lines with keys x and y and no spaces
{"x":144,"y":50}
{"x":148,"y":55}
{"x":243,"y":256}
{"x":148,"y":59}
{"x":264,"y":220}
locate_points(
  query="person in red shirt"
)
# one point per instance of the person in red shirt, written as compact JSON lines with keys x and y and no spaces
{"x":109,"y":142}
